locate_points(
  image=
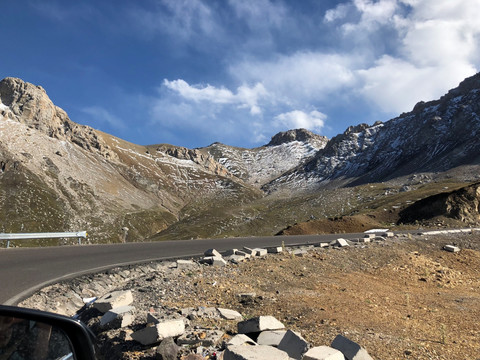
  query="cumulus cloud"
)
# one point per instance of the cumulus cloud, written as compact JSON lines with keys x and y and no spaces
{"x":245,"y":97}
{"x":299,"y":77}
{"x":388,"y":54}
{"x":314,"y":120}
{"x":432,"y":45}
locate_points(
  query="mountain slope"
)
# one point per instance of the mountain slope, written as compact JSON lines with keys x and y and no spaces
{"x":260,"y":165}
{"x":435,"y":137}
{"x":57,"y":175}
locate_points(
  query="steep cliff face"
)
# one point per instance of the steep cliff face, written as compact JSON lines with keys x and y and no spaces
{"x":436,"y":136}
{"x":30,"y":105}
{"x":462,"y":204}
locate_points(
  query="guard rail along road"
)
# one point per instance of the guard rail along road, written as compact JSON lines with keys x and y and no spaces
{"x":46,"y":235}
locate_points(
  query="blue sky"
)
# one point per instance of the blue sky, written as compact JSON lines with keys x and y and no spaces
{"x":192,"y":72}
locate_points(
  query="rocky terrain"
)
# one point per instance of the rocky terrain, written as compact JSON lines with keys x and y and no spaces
{"x":400,"y":297}
{"x":56,"y":175}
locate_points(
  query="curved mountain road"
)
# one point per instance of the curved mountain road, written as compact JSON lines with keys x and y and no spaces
{"x":26,"y":270}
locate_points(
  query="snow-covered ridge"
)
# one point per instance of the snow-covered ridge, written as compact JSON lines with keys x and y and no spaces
{"x":435,"y":137}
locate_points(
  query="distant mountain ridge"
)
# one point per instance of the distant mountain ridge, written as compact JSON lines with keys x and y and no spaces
{"x":57,"y":175}
{"x":436,"y":136}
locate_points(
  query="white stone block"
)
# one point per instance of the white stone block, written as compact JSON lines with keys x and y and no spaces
{"x":243,"y":253}
{"x":451,"y":248}
{"x":185,"y":264}
{"x":323,"y":353}
{"x":113,"y":300}
{"x":118,"y":317}
{"x":271,"y":337}
{"x":212,"y":252}
{"x":260,"y":252}
{"x":342,"y":242}
{"x":293,"y":344}
{"x":218,"y":261}
{"x":230,"y":252}
{"x":350,"y":349}
{"x":258,"y":324}
{"x":153,"y":334}
{"x":248,"y":352}
{"x":240,"y":339}
{"x":275,"y":249}
{"x":229,"y":314}
{"x":249,"y":251}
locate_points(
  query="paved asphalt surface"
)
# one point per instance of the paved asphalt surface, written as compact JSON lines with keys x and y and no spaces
{"x":25,"y":270}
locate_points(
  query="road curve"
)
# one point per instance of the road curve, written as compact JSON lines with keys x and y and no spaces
{"x":26,"y":270}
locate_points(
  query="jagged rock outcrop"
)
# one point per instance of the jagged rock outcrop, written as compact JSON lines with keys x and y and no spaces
{"x":302,"y":135}
{"x":30,"y":105}
{"x":197,"y":156}
{"x":462,"y":204}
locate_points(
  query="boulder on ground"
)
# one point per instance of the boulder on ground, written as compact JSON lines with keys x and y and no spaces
{"x":259,"y":323}
{"x":350,"y":349}
{"x":294,"y":345}
{"x":248,"y":352}
{"x":113,"y":300}
{"x":323,"y":353}
{"x":153,"y":334}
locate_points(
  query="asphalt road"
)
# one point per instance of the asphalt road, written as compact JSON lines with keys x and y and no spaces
{"x":25,"y":270}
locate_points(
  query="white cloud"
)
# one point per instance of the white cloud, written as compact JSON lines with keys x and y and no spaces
{"x":390,"y":54}
{"x":314,"y":120}
{"x":300,"y":77}
{"x":245,"y":97}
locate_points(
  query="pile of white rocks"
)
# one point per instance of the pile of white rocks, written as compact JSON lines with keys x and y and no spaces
{"x":174,"y":335}
{"x":262,"y":337}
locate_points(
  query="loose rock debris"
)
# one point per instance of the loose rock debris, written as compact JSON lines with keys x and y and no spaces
{"x":163,"y":329}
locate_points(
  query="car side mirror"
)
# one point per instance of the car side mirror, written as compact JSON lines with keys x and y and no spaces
{"x":38,"y":335}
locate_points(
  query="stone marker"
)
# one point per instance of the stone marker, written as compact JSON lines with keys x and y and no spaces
{"x":118,"y":317}
{"x":230,"y":252}
{"x":249,"y":251}
{"x":293,"y":344}
{"x":323,"y":353}
{"x":259,"y":352}
{"x":275,"y":249}
{"x":271,"y":337}
{"x":388,"y":234}
{"x":259,"y":323}
{"x":213,"y":253}
{"x":341,"y":242}
{"x":240,"y":339}
{"x":218,"y":261}
{"x":185,"y":264}
{"x":351,"y":350}
{"x":113,"y":300}
{"x":245,"y":254}
{"x":451,"y":248}
{"x":260,"y":252}
{"x":230,"y":314}
{"x":153,"y":334}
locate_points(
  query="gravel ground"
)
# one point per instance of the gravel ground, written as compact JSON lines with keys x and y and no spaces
{"x":402,"y":298}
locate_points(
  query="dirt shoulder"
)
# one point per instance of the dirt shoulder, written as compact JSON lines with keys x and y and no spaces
{"x":400,"y":298}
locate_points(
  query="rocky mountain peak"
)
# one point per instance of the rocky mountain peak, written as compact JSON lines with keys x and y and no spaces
{"x":295,"y":135}
{"x":29,"y":104}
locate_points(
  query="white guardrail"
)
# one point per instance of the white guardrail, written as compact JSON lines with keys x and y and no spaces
{"x":49,"y":235}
